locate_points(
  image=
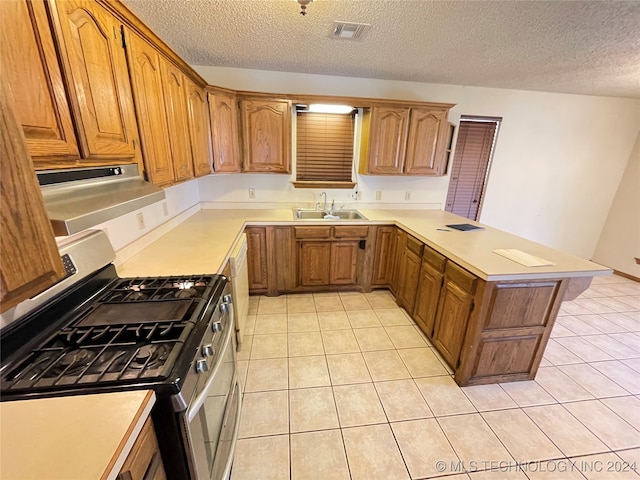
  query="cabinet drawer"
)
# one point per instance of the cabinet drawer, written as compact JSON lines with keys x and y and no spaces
{"x":352,"y":231}
{"x":312,"y":232}
{"x":414,"y":245}
{"x":434,"y":259}
{"x":458,"y":275}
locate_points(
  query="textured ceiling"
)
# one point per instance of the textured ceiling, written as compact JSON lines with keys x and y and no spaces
{"x":583,"y":47}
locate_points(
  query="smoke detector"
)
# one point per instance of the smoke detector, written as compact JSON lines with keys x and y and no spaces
{"x":349,"y":30}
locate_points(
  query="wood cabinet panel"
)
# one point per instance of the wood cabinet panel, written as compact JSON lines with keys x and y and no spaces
{"x":344,"y":261}
{"x":98,"y":78}
{"x":409,"y":272}
{"x":400,"y":242}
{"x":388,"y":138}
{"x":34,"y":81}
{"x":148,"y":93}
{"x":427,"y":296}
{"x":314,"y":263}
{"x":351,"y":231}
{"x":199,"y":129}
{"x":510,"y":355}
{"x":223,"y":113}
{"x":30,"y":259}
{"x":266,"y":133}
{"x":451,"y":321}
{"x":424,"y":144}
{"x":282,"y":266}
{"x":384,"y":256}
{"x":521,"y":305}
{"x":257,"y":258}
{"x":312,"y":232}
{"x":178,"y":120}
{"x":144,"y":461}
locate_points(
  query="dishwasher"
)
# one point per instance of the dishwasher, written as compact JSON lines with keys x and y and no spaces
{"x":240,"y":285}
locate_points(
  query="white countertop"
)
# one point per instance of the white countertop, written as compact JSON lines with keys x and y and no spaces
{"x":201,"y":244}
{"x":82,"y":437}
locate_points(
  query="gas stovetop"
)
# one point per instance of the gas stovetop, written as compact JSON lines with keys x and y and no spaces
{"x":131,"y":331}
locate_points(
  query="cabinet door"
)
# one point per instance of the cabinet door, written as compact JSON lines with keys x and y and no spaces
{"x":146,"y":79}
{"x":224,"y":132}
{"x":33,"y":77}
{"x":30,"y":259}
{"x":424,"y":145}
{"x":400,"y":242}
{"x":100,"y":97}
{"x":384,"y":256}
{"x":257,"y":257}
{"x":408,"y":281}
{"x":199,"y":129}
{"x":178,"y":120}
{"x":451,"y":321}
{"x":144,"y":461}
{"x":426,"y":304}
{"x":344,"y":262}
{"x":314,"y":263}
{"x":388,"y":139}
{"x":266,"y":132}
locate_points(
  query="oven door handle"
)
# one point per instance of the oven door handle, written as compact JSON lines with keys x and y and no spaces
{"x":197,"y":403}
{"x":236,"y":430}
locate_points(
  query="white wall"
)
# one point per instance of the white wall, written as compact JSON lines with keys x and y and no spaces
{"x":181,"y":200}
{"x":620,"y":238}
{"x":557,"y":164}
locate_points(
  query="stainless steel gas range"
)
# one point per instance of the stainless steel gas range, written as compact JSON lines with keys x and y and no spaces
{"x":95,"y":332}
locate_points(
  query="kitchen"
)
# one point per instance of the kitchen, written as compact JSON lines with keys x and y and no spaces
{"x":608,"y":126}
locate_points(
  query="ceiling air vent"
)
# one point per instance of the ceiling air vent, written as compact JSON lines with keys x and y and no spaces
{"x":349,"y":31}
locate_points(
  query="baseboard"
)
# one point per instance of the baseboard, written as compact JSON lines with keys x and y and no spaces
{"x":626,"y":275}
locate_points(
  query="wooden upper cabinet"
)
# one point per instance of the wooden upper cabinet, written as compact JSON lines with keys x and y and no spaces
{"x":426,"y":141}
{"x":100,"y":93}
{"x":199,"y":130}
{"x":404,"y":140}
{"x":224,"y":132}
{"x":30,"y":259}
{"x":388,"y":140}
{"x":146,"y":78}
{"x":266,"y":133}
{"x":34,"y":80}
{"x":178,"y":118}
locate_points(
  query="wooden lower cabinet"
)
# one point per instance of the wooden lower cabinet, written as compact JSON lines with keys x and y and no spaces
{"x":409,"y":272}
{"x":427,"y":296}
{"x":399,"y":242}
{"x":452,"y":318}
{"x":344,"y":263}
{"x":314,"y":263}
{"x":384,"y":256}
{"x":257,"y":259}
{"x":144,"y":461}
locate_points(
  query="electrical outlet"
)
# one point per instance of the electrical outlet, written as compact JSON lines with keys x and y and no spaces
{"x":252,"y":193}
{"x":378,"y":195}
{"x":140,"y":218}
{"x":165,"y":209}
{"x":407,"y":195}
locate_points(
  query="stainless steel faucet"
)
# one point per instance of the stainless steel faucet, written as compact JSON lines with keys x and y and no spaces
{"x":324,"y":208}
{"x":333,"y":206}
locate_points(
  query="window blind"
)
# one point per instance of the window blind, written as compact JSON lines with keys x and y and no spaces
{"x":324,"y":146}
{"x":469,"y":170}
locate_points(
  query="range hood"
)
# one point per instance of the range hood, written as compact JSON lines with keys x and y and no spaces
{"x":80,"y":198}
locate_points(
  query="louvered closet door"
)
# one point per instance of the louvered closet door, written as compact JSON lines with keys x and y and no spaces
{"x":470,"y":162}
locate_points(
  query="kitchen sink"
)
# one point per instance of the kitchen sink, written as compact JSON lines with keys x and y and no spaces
{"x":300,"y":214}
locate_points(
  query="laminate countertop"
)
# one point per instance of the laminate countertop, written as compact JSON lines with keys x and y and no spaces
{"x":83,"y":437}
{"x":203,"y":242}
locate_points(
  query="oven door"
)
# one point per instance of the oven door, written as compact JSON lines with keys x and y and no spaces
{"x":212,"y":419}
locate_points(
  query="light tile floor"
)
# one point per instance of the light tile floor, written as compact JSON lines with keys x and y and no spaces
{"x":345,"y":386}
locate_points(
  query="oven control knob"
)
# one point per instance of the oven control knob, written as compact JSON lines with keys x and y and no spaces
{"x":201,"y":366}
{"x":228,"y":298}
{"x":216,"y":326}
{"x":207,"y":350}
{"x":224,"y":307}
